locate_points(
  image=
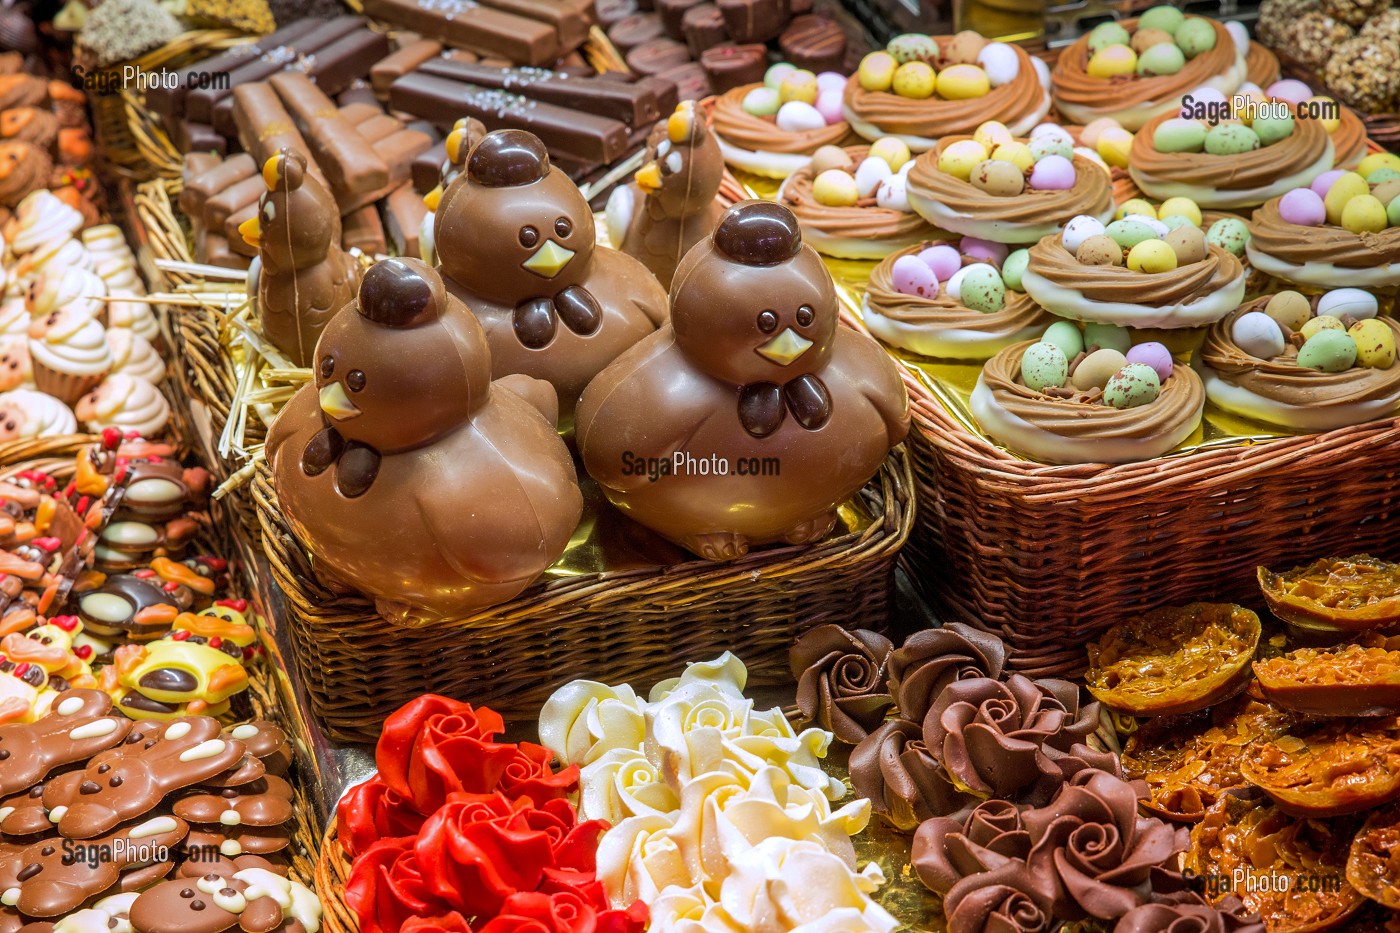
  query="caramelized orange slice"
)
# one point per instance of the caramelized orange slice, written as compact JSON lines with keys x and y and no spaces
{"x":1350,"y":594}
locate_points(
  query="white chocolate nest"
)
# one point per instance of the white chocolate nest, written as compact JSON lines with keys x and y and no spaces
{"x":917,"y":144}
{"x":953,"y":343}
{"x":1071,"y":303}
{"x":1250,"y":404}
{"x":998,"y":231}
{"x":1323,"y":274}
{"x":767,"y":164}
{"x":1228,"y":199}
{"x":1136,"y":117}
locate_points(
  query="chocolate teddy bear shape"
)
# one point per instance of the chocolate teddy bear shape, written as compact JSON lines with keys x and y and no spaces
{"x":79,"y":724}
{"x":402,"y":436}
{"x":516,"y":241}
{"x":306,"y":276}
{"x":754,"y":369}
{"x":264,"y":802}
{"x":253,"y":900}
{"x":671,"y":204}
{"x":267,"y":742}
{"x":239,"y":840}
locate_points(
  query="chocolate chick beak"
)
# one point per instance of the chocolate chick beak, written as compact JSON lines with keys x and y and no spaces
{"x":785,"y":347}
{"x":336,"y":403}
{"x":251,"y":231}
{"x":548,"y":259}
{"x":432,"y":198}
{"x":648,"y":177}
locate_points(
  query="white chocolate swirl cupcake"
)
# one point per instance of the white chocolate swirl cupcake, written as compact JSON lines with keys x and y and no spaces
{"x":14,"y":313}
{"x":133,"y":355}
{"x":42,"y":218}
{"x":113,"y":259}
{"x":15,"y":370}
{"x":26,"y":413}
{"x":75,"y":290}
{"x":128,"y":403}
{"x":135,"y":316}
{"x":69,"y":353}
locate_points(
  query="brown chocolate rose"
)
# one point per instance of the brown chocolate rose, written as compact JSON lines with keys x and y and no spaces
{"x":1189,"y":913}
{"x":841,"y":680}
{"x":1098,"y":850}
{"x":930,"y":660}
{"x":1006,"y":899}
{"x":893,"y":769}
{"x":947,"y":850}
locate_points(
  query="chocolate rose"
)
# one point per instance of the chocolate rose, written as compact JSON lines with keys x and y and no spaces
{"x":1006,"y":899}
{"x":1189,"y":913}
{"x":1099,"y":852}
{"x":892,"y":768}
{"x":841,"y":680}
{"x":930,"y":660}
{"x":1018,"y":739}
{"x":947,"y":850}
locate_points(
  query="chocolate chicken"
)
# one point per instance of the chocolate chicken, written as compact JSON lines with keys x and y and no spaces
{"x":306,"y":277}
{"x":406,"y":471}
{"x":516,"y":241}
{"x":759,"y":414}
{"x":671,"y":204}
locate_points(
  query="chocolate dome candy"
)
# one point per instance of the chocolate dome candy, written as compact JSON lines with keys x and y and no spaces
{"x":401,"y":434}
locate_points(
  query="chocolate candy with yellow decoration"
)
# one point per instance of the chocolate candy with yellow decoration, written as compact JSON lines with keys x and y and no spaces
{"x":194,"y":669}
{"x":36,"y":665}
{"x":128,"y":605}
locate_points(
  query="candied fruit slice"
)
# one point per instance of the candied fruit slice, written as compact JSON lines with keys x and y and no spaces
{"x":1332,"y":594}
{"x":1361,"y":679}
{"x":1336,"y":768}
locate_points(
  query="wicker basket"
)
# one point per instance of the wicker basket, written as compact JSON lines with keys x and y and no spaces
{"x":638,"y":625}
{"x":332,"y":871}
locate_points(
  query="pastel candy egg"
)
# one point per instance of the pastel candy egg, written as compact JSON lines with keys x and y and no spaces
{"x":964,"y":48}
{"x":1392,"y":211}
{"x":943,"y":259}
{"x":912,"y":277}
{"x":992,"y":134}
{"x":797,"y":117}
{"x":1364,"y":214}
{"x":1290,"y":90}
{"x":1128,"y":233}
{"x":835,"y":188}
{"x":1145,"y":39}
{"x":1091,"y":156}
{"x":1381,"y":175}
{"x":1114,"y":145}
{"x":1018,"y":154}
{"x":1066,"y":336}
{"x":892,"y":149}
{"x":1001,"y":179}
{"x":1176,"y":221}
{"x":1105,"y":34}
{"x":1230,"y":234}
{"x":893,"y":193}
{"x":983,"y":250}
{"x":1258,"y":335}
{"x":1188,"y":243}
{"x":761,"y":102}
{"x":1078,"y":230}
{"x":913,"y":47}
{"x":1303,"y":206}
{"x":1053,"y":173}
{"x":829,"y":104}
{"x":1165,"y":18}
{"x":1112,"y":61}
{"x":1180,"y":207}
{"x":962,"y":82}
{"x":1350,"y":185}
{"x":961,"y":157}
{"x":1047,"y":129}
{"x":1152,"y":354}
{"x":1000,"y":62}
{"x":914,"y":80}
{"x":1326,"y":107}
{"x":1246,"y":100}
{"x":775,"y":74}
{"x":1099,"y":251}
{"x":1314,"y":326}
{"x":799,"y":85}
{"x":1348,"y":302}
{"x":1013,"y":267}
{"x":1387,"y":191}
{"x":1239,"y":33}
{"x":955,"y":283}
{"x":1140,"y":206}
{"x":1289,"y":309}
{"x":1375,"y":344}
{"x":1159,"y":228}
{"x":1378,"y":160}
{"x":1052,"y":144}
{"x":869,"y":174}
{"x":876,"y":71}
{"x":1089,"y":136}
{"x":829,"y":157}
{"x":1043,"y":365}
{"x":1231,"y":139}
{"x":1132,"y":386}
{"x":1324,"y":182}
{"x":1163,"y":59}
{"x":1272,"y":128}
{"x":1205,"y":94}
{"x":1328,"y":351}
{"x":1107,"y":335}
{"x":1195,"y":36}
{"x":1179,"y":135}
{"x":983,"y":290}
{"x":831,"y":81}
{"x":1094,"y":371}
{"x":1151,"y":257}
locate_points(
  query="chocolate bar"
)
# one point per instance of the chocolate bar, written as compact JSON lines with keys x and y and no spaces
{"x":569,"y":18}
{"x":236,"y":243}
{"x":704,"y":28}
{"x":218,"y":207}
{"x":654,"y":57}
{"x":731,"y":66}
{"x":378,"y":126}
{"x":264,"y":126}
{"x":403,"y":212}
{"x":427,"y":168}
{"x":634,"y":104}
{"x":584,"y":136}
{"x":354,"y":169}
{"x":202,"y":185}
{"x":359,"y":92}
{"x":200,"y":137}
{"x":194,"y":165}
{"x":217,"y":252}
{"x":754,"y":20}
{"x":465,"y":24}
{"x":400,"y":62}
{"x":362,"y":229}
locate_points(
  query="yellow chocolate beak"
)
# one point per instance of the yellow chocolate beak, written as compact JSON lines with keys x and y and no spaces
{"x":270,"y":173}
{"x":336,"y":403}
{"x":785,"y":347}
{"x":432,"y":198}
{"x":680,"y":123}
{"x":454,"y":143}
{"x":648,"y":177}
{"x":548,"y":260}
{"x":251,"y":232}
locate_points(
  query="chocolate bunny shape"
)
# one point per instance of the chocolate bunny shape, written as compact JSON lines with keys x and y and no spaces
{"x":79,"y":724}
{"x":254,"y":900}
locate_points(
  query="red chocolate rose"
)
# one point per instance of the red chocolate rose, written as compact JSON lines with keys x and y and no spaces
{"x":566,"y":912}
{"x":433,"y":747}
{"x":373,"y":811}
{"x":529,"y":775}
{"x":479,"y":849}
{"x":386,"y":888}
{"x":447,"y":923}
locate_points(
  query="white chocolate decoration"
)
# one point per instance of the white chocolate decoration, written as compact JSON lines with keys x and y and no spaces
{"x":231,"y":847}
{"x":154,"y":827}
{"x":177,"y":730}
{"x":70,"y":706}
{"x":57,"y":813}
{"x":230,"y":818}
{"x":93,"y":730}
{"x":206,"y":749}
{"x":244,"y":732}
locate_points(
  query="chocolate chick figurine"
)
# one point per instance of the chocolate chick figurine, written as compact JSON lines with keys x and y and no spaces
{"x":306,"y":277}
{"x":516,"y":241}
{"x":671,"y":204}
{"x":754,"y":373}
{"x":406,"y":471}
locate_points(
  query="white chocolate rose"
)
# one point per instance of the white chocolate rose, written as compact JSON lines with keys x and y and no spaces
{"x":621,"y":784}
{"x":780,"y":886}
{"x":133,"y":354}
{"x":725,"y":673}
{"x":77,"y":290}
{"x":584,"y":720}
{"x":637,"y":858}
{"x":27,"y":413}
{"x":135,"y":316}
{"x":113,"y":259}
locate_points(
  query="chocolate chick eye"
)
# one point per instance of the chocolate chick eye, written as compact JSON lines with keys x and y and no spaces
{"x":356,"y":380}
{"x":767,"y":321}
{"x":529,"y":236}
{"x":563,"y":227}
{"x":327,"y":367}
{"x":805,"y":315}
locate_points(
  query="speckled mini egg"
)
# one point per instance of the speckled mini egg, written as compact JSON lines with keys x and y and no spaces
{"x":1051,"y":130}
{"x":961,"y":157}
{"x":799,"y":84}
{"x":1392,"y":211}
{"x":1364,"y":214}
{"x":943,"y":259}
{"x":797,"y":117}
{"x":775,"y":74}
{"x":1195,"y":36}
{"x":1043,"y":366}
{"x":1290,"y":91}
{"x":869,"y":174}
{"x":1289,"y":309}
{"x":1112,"y":61}
{"x":955,"y":284}
{"x":1152,"y":354}
{"x":761,"y":102}
{"x":831,"y":157}
{"x":831,"y":81}
{"x":1139,"y":206}
{"x":1381,"y":175}
{"x":1375,"y":343}
{"x":1000,"y":179}
{"x":1165,"y":59}
{"x":983,"y":290}
{"x":1175,"y":222}
{"x":1258,"y":335}
{"x":1132,"y":386}
{"x":1231,"y":139}
{"x":1107,"y":335}
{"x":1349,"y":185}
{"x":983,"y":250}
{"x":1230,"y":234}
{"x":1013,"y":267}
{"x":892,"y":149}
{"x":1145,"y":39}
{"x":1051,"y":145}
{"x":893,"y":193}
{"x":1018,"y":154}
{"x":1089,"y":135}
{"x":1324,"y":182}
{"x":1105,"y":34}
{"x":1188,"y":243}
{"x":991,"y":134}
{"x":963,"y":82}
{"x":1128,"y":232}
{"x":1166,"y":18}
{"x":913,"y":47}
{"x":1272,"y":128}
{"x":1378,"y":160}
{"x":835,"y":188}
{"x":1314,"y":326}
{"x":876,"y":71}
{"x":1152,"y":257}
{"x":1355,"y":303}
{"x":1328,"y":351}
{"x":1151,"y":220}
{"x":1001,"y":63}
{"x":1078,"y":230}
{"x":964,"y":48}
{"x":1179,"y":135}
{"x":1094,"y":371}
{"x":1099,"y":251}
{"x":1184,"y":207}
{"x":911,"y":277}
{"x":914,"y":80}
{"x":1066,"y":336}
